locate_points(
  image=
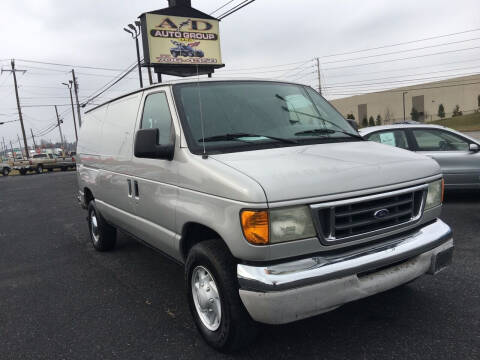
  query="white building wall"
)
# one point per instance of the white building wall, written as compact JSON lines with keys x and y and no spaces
{"x":463,"y":91}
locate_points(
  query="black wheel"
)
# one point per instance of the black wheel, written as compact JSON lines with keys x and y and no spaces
{"x":39,"y":169}
{"x":64,"y":168}
{"x":23,"y":171}
{"x":103,"y":235}
{"x":50,"y":169}
{"x":212,"y":291}
{"x":5,"y":171}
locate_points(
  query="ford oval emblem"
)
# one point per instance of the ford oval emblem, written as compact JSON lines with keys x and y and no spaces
{"x":379,"y":214}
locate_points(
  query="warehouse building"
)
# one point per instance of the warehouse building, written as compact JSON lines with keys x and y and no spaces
{"x":425,"y":98}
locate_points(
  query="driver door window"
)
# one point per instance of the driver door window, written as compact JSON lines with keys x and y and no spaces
{"x":396,"y":138}
{"x":156,"y":115}
{"x":438,"y":140}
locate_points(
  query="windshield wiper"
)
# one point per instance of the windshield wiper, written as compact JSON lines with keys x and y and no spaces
{"x":327,"y":131}
{"x":239,"y":136}
{"x":319,"y":131}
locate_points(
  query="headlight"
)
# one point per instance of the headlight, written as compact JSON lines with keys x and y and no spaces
{"x":270,"y":227}
{"x":435,"y":194}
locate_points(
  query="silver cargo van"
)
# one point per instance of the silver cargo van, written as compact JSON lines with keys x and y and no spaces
{"x":275,"y":205}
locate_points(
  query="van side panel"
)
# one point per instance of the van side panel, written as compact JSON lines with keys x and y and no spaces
{"x":106,"y":152}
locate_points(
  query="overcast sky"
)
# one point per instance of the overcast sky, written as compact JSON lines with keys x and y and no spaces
{"x":263,"y":34}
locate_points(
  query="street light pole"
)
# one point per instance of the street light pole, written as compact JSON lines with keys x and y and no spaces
{"x":69,"y":85}
{"x":135,"y":34}
{"x":403,"y":94}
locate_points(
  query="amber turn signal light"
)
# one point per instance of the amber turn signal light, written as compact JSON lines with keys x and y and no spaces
{"x":255,"y":226}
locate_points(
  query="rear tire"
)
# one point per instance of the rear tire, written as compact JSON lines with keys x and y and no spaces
{"x":5,"y":171}
{"x":23,"y":171}
{"x":102,"y":235}
{"x":211,"y":282}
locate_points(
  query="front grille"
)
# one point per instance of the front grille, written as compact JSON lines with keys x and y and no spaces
{"x":349,"y":219}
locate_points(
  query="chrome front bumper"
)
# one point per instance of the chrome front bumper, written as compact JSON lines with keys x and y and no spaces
{"x":287,"y":292}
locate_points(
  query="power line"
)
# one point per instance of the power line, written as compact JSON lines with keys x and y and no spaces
{"x":402,"y":51}
{"x":221,"y":7}
{"x":68,"y":65}
{"x":414,"y":89}
{"x":265,"y":67}
{"x":235,"y":9}
{"x":109,"y":85}
{"x":401,"y":69}
{"x":401,"y":43}
{"x":400,"y":59}
{"x":360,"y":83}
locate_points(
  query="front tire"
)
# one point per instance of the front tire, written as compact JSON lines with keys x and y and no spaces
{"x":212,"y":291}
{"x":102,"y":235}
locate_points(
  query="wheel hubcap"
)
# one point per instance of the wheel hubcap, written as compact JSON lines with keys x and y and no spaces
{"x":94,"y":227}
{"x":206,"y":298}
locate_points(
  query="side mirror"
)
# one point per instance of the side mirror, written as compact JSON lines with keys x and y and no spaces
{"x":146,"y":145}
{"x":473,"y":147}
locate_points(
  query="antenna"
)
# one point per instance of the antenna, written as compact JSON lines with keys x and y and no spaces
{"x":205,"y":156}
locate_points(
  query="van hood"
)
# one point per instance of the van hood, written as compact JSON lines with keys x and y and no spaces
{"x":324,"y":169}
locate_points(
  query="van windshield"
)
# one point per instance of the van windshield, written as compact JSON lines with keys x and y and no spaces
{"x":248,"y":115}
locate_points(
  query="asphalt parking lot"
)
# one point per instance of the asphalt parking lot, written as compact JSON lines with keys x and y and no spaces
{"x":59,"y":299}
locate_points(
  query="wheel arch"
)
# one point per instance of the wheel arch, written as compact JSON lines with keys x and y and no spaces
{"x":194,"y":233}
{"x":87,"y":196}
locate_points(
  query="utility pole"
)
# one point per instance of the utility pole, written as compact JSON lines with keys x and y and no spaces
{"x":403,"y":94}
{"x":33,"y":138}
{"x":14,"y":72}
{"x":69,"y":85}
{"x":319,"y":77}
{"x":75,"y":87}
{"x":60,"y":128}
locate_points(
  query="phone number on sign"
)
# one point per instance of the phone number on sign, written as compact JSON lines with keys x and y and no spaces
{"x":171,"y":59}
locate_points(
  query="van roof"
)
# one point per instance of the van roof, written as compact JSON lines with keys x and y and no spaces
{"x":186,"y":81}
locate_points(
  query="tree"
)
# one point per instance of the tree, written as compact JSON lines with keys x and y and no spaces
{"x":350,"y":116}
{"x":371,"y":121}
{"x":456,"y":111}
{"x":414,"y":114}
{"x":379,"y":120}
{"x":364,"y":122}
{"x":389,"y":116}
{"x":441,"y":111}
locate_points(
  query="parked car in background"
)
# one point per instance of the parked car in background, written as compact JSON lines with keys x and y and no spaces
{"x":5,"y":169}
{"x":457,"y":154}
{"x":40,"y":162}
{"x":273,"y":203}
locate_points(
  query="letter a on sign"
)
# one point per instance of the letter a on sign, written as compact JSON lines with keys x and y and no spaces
{"x":169,"y":23}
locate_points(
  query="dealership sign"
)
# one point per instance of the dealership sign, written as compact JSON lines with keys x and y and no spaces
{"x":177,"y":40}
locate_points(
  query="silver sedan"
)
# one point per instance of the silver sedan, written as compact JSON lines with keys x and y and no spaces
{"x":457,"y":154}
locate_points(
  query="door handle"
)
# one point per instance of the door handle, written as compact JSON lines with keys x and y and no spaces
{"x":129,"y":187}
{"x":135,"y":186}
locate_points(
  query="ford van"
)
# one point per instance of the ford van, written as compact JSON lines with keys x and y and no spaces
{"x":271,"y":200}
